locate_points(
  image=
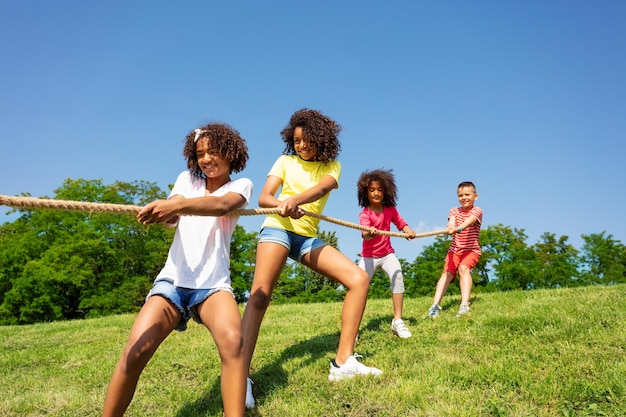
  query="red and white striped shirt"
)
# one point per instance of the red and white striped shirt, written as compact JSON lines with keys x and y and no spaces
{"x":467,"y":240}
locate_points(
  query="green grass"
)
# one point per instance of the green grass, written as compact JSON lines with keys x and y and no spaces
{"x":535,"y":353}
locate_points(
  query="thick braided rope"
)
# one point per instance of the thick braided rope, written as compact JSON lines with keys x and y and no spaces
{"x":40,"y":203}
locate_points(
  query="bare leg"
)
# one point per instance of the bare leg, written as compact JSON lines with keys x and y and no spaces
{"x":465,"y":282}
{"x":220,"y":315}
{"x":442,"y":286}
{"x":397,"y":305}
{"x":270,"y":260}
{"x":329,"y":262}
{"x":156,"y":320}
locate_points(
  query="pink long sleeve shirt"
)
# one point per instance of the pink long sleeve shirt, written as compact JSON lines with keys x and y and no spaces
{"x":380,"y":246}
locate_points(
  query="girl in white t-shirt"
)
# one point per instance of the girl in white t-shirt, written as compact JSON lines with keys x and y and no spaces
{"x":195,"y":281}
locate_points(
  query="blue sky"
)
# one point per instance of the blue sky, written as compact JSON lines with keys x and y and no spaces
{"x":527,"y":99}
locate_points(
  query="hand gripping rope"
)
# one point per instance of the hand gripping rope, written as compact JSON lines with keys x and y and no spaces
{"x":39,"y":203}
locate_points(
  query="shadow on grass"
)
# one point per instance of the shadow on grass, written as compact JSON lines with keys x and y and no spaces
{"x":270,"y":377}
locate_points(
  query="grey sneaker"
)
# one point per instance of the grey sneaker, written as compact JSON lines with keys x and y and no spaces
{"x":250,"y":403}
{"x":350,"y":369}
{"x":433,"y":311}
{"x":464,"y":309}
{"x":399,"y":329}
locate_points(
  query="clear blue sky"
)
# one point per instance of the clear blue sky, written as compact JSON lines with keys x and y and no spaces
{"x":525,"y":98}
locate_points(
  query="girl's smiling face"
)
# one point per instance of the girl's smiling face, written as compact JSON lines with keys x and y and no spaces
{"x":212,"y":164}
{"x":305,"y":149}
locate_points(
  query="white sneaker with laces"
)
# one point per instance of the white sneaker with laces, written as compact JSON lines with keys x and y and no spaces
{"x":399,"y":329}
{"x":350,"y":369}
{"x":250,"y":403}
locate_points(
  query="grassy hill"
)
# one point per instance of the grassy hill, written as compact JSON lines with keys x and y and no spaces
{"x":536,"y":353}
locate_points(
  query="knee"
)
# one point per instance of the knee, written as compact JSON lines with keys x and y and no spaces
{"x":463,"y":270}
{"x":397,"y":283}
{"x":134,"y":358}
{"x":231,"y":346}
{"x":360,"y":280}
{"x":446,"y":278}
{"x":232,"y":342}
{"x":259,"y":299}
{"x":397,"y":287}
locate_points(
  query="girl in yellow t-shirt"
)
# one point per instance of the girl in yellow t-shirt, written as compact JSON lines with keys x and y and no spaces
{"x":306,"y":173}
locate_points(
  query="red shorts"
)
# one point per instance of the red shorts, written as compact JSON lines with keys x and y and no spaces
{"x":455,"y":259}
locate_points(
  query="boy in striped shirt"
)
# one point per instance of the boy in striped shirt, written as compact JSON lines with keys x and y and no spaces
{"x":464,"y":227}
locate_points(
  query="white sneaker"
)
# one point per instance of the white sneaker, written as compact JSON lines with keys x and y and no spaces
{"x":250,"y":403}
{"x":464,"y":309}
{"x":399,"y":329}
{"x":350,"y":369}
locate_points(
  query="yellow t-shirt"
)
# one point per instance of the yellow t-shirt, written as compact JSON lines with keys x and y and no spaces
{"x":298,"y":176}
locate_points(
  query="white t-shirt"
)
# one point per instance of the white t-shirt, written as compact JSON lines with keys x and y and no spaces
{"x":200,"y":253}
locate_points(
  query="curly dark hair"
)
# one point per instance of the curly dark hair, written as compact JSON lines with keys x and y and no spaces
{"x":222,"y":138}
{"x":386,"y":180}
{"x":321,"y":131}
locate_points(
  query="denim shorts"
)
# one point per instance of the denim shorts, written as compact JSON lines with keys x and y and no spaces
{"x":186,"y":300}
{"x":296,"y":244}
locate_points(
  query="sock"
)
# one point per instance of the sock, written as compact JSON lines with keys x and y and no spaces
{"x":334,"y":363}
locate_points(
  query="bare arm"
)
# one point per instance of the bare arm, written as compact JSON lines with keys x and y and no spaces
{"x":167,"y":211}
{"x":290,"y":206}
{"x":452,"y":229}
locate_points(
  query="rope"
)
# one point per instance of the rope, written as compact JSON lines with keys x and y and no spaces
{"x":40,"y":203}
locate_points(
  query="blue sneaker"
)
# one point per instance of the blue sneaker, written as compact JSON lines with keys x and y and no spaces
{"x":433,"y":311}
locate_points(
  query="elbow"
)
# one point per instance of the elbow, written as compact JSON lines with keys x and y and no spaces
{"x":224,"y":208}
{"x":265,"y":202}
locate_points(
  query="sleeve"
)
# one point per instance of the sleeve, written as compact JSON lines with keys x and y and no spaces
{"x":364,"y":219}
{"x":278,"y":169}
{"x":398,"y":220}
{"x":334,"y":170}
{"x":182,"y":185}
{"x":242,"y":186}
{"x":478,"y":213}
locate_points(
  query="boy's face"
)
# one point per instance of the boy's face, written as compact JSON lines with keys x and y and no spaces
{"x":467,"y":196}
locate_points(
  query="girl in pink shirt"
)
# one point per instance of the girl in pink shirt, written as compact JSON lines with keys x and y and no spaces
{"x":376,"y":192}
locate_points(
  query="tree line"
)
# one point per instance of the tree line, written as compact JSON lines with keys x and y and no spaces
{"x":60,"y":265}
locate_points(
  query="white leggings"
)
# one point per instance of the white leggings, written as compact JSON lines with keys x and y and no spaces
{"x":388,"y":263}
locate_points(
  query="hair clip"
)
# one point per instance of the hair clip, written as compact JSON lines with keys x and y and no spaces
{"x":198,"y":133}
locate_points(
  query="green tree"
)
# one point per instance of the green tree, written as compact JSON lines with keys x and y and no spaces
{"x":504,"y":251}
{"x":69,"y":264}
{"x":602,"y":260}
{"x":557,"y":261}
{"x":242,"y":261}
{"x":380,"y":287}
{"x":420,"y":277}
